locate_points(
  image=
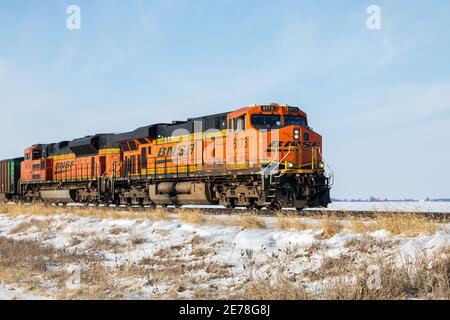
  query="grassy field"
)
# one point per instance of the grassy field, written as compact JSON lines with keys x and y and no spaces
{"x":91,"y":253}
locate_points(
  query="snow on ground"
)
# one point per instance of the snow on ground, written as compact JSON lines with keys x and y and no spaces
{"x":419,"y":206}
{"x":8,"y":292}
{"x":392,"y":206}
{"x":236,"y":254}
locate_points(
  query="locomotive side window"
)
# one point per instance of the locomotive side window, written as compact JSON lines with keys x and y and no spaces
{"x":295,"y":121}
{"x":125,"y":147}
{"x":133,"y":146}
{"x":36,"y":154}
{"x":266,"y":121}
{"x":239,"y":123}
{"x":223,"y":124}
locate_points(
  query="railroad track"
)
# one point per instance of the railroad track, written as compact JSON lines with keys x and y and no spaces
{"x":313,"y":213}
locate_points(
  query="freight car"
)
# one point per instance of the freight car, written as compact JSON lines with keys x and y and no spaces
{"x":9,"y":179}
{"x":256,"y":156}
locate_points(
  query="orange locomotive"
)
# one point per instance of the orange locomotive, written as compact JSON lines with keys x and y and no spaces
{"x":257,"y":156}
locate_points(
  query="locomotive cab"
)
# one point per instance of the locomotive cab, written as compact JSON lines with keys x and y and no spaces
{"x":283,"y":136}
{"x":33,"y":167}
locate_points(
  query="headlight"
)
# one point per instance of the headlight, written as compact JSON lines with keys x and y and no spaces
{"x":296,"y":134}
{"x":321,"y":165}
{"x":290,"y":165}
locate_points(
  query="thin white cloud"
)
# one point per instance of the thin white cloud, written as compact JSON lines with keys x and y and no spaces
{"x":400,"y":105}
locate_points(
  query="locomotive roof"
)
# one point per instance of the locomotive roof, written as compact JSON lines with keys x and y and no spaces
{"x":113,"y":140}
{"x":89,"y":144}
{"x":167,"y":129}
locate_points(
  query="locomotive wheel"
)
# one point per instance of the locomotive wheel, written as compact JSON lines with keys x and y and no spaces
{"x":254,"y":206}
{"x":231,"y":203}
{"x":276,"y":206}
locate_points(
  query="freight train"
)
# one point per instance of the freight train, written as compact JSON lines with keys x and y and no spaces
{"x":257,"y":156}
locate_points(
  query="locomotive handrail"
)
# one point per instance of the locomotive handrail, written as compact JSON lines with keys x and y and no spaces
{"x":331,"y":177}
{"x":277,"y":165}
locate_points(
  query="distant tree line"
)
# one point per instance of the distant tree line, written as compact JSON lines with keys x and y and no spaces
{"x":374,"y":199}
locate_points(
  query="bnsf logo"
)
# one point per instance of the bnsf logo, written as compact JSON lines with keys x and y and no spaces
{"x":61,"y":167}
{"x":181,"y":150}
{"x":277,"y":146}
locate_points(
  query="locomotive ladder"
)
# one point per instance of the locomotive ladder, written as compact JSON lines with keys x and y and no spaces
{"x":273,"y":176}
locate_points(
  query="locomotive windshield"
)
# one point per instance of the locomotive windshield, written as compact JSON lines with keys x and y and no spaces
{"x":266,"y":120}
{"x":295,"y":121}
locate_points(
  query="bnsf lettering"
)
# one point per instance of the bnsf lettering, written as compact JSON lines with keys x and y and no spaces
{"x":162,"y":152}
{"x":277,"y":146}
{"x":180,"y":151}
{"x":62,"y":167}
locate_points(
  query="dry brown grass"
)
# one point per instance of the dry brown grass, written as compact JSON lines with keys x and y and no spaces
{"x":21,"y":227}
{"x":202,"y":252}
{"x":247,"y":221}
{"x":167,"y":267}
{"x":330,"y":226}
{"x":137,"y":239}
{"x":196,"y":240}
{"x":159,"y":214}
{"x":81,"y":232}
{"x":290,"y":222}
{"x":192,"y":216}
{"x":368,"y":244}
{"x":410,"y":224}
{"x":398,"y":224}
{"x":315,"y":248}
{"x":3,"y":207}
{"x":25,"y":263}
{"x":41,"y":225}
{"x":118,"y":230}
{"x":360,"y":225}
{"x":31,"y":209}
{"x":98,"y":212}
{"x":74,"y":241}
{"x":26,"y":254}
{"x":401,"y":277}
{"x":280,"y":289}
{"x":332,"y":266}
{"x":202,"y":293}
{"x":426,"y":277}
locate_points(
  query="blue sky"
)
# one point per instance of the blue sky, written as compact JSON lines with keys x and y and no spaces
{"x":380,"y":98}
